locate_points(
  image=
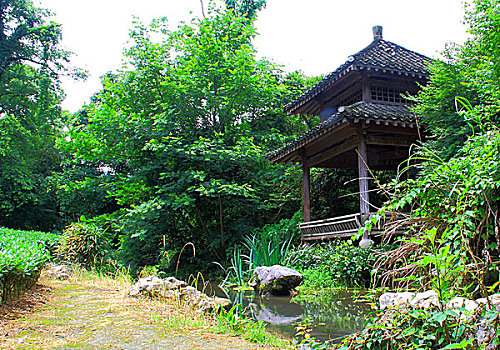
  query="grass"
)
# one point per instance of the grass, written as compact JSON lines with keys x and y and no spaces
{"x":118,"y":278}
{"x":91,"y":309}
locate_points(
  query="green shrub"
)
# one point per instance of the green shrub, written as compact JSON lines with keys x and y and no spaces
{"x":343,"y":263}
{"x":320,"y":277}
{"x":84,"y":243}
{"x":285,"y":230}
{"x":422,"y":329}
{"x":454,"y":208}
{"x":23,"y":254}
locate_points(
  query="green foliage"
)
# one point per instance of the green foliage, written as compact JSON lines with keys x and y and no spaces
{"x":305,"y":340}
{"x":453,"y":213}
{"x":30,"y":63}
{"x":239,"y":271}
{"x":183,"y":132}
{"x":266,"y":250}
{"x":415,"y":329}
{"x":267,"y":246}
{"x":246,"y":8}
{"x":259,"y":252}
{"x":334,"y":264}
{"x":471,"y":71}
{"x":234,"y":322}
{"x":285,"y":230}
{"x":23,"y":254}
{"x":445,"y":274}
{"x":84,"y":243}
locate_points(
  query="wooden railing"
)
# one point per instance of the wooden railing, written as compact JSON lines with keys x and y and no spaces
{"x":339,"y":227}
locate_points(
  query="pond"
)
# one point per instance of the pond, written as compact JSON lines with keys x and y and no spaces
{"x":331,"y":314}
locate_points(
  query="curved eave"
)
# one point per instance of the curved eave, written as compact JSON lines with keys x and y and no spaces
{"x":307,"y":96}
{"x":359,"y":113}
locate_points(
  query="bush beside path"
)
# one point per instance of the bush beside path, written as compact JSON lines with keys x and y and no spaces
{"x":83,"y":313}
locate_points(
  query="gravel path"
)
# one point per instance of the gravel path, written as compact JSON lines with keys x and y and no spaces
{"x":68,"y":315}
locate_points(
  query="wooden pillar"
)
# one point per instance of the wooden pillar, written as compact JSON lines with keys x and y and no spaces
{"x":306,"y":185}
{"x":365,"y":88}
{"x":364,"y":197}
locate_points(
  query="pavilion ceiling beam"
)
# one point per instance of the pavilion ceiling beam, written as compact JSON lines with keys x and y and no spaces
{"x":389,"y":140}
{"x":382,"y":128}
{"x":341,"y":130}
{"x":332,"y":152}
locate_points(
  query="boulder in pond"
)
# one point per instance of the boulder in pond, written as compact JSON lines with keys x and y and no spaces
{"x":276,"y":280}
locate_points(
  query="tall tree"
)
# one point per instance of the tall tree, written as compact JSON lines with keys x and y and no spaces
{"x":469,"y":75}
{"x":30,"y":62}
{"x":177,"y":130}
{"x":247,"y":8}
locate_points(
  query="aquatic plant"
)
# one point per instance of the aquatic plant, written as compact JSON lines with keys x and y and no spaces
{"x":239,"y":271}
{"x":266,"y":251}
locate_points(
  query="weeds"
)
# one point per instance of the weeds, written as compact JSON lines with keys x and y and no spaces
{"x":118,"y":278}
{"x":234,"y":322}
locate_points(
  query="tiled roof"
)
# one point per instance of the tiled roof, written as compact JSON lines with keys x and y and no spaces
{"x":359,"y":110}
{"x":380,"y":55}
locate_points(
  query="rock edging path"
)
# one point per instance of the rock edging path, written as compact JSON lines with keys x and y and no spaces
{"x":77,"y":316}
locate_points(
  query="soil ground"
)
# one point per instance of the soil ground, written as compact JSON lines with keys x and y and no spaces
{"x":69,"y":315}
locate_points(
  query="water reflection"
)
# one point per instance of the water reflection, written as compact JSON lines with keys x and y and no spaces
{"x":276,"y":311}
{"x":332,"y":315}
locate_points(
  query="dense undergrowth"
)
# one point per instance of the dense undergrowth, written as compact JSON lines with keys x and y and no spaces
{"x":451,"y":246}
{"x":336,"y":264}
{"x":23,"y":254}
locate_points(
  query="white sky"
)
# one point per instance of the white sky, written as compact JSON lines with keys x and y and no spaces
{"x":314,"y":36}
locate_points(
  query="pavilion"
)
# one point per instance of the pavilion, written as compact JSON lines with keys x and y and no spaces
{"x":365,"y":123}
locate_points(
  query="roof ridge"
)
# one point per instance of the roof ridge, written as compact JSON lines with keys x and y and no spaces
{"x":412,"y":51}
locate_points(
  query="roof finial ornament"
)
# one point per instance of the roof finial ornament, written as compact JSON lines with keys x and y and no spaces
{"x":377,"y":32}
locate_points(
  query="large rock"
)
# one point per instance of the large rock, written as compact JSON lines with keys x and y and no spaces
{"x":460,"y":305}
{"x":468,"y":310}
{"x":62,"y":272}
{"x":276,"y":280}
{"x":424,"y":300}
{"x":147,"y":285}
{"x":174,"y":289}
{"x":492,"y":301}
{"x":485,"y":334}
{"x":391,"y":300}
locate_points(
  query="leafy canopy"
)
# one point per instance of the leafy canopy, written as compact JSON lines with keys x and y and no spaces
{"x":30,"y":63}
{"x":182,"y":131}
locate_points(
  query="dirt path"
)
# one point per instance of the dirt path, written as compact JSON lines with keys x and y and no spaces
{"x":69,"y":315}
